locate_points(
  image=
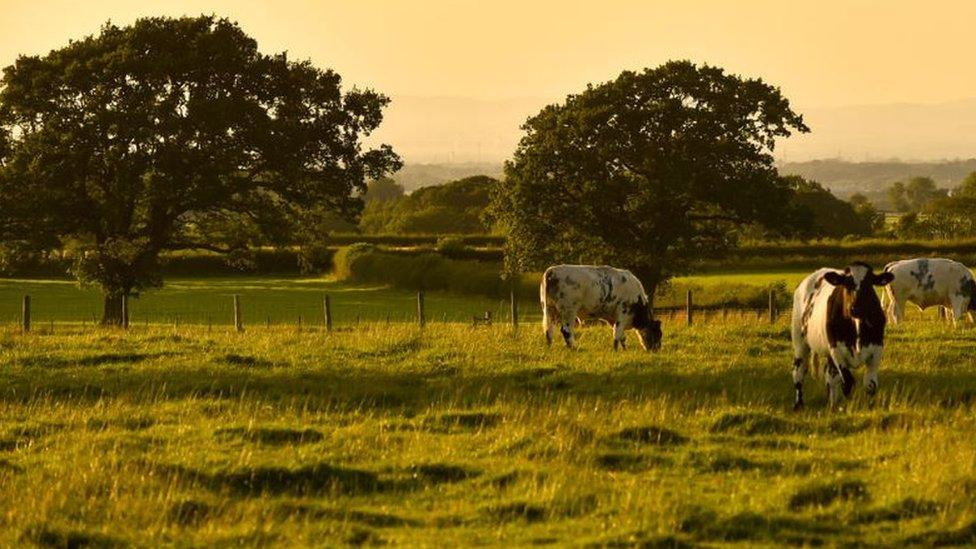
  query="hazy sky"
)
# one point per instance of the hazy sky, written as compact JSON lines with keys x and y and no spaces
{"x":823,"y":54}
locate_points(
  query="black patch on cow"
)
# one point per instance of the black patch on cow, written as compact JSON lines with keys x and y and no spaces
{"x":552,"y":284}
{"x":923,"y":276}
{"x":848,"y":384}
{"x":841,"y":328}
{"x":967,"y":289}
{"x":606,"y":290}
{"x":840,"y":325}
{"x":640,"y":314}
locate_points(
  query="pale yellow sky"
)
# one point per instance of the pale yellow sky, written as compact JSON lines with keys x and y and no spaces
{"x":823,"y":54}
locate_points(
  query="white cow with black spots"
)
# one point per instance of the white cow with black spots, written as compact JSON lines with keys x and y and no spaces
{"x":837,"y":316}
{"x":930,"y":282}
{"x":616,"y":296}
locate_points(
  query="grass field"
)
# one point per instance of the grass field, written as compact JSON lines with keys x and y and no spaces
{"x":281,"y":300}
{"x":386,"y":434}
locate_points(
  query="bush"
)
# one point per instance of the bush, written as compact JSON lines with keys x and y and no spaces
{"x":424,"y":271}
{"x":450,"y":244}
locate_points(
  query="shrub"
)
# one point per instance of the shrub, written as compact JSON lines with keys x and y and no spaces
{"x":424,"y":271}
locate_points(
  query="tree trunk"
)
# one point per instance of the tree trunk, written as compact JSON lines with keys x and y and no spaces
{"x":112,"y":310}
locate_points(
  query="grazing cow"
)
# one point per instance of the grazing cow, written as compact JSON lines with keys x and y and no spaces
{"x":837,"y":316}
{"x":928,"y":282}
{"x":616,"y":296}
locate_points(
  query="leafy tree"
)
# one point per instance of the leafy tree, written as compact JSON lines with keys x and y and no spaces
{"x":968,"y":186}
{"x":174,"y":134}
{"x":383,"y":190}
{"x":823,"y":214}
{"x":920,"y":191}
{"x":873,"y":219}
{"x":457,"y":207}
{"x":652,"y":171}
{"x":896,"y":197}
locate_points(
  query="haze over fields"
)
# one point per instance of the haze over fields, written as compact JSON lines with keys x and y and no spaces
{"x":876,"y":79}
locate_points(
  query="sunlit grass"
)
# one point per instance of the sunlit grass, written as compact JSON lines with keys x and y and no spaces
{"x":459,"y":435}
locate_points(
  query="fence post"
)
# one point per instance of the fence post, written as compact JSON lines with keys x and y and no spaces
{"x":299,"y":323}
{"x":26,"y":319}
{"x":772,"y":308}
{"x":420,"y":308}
{"x":327,"y":312}
{"x":514,"y":309}
{"x":238,"y":321}
{"x":688,"y":306}
{"x":125,"y":311}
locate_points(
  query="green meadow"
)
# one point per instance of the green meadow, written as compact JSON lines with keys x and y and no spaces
{"x":452,"y":435}
{"x":282,"y":300}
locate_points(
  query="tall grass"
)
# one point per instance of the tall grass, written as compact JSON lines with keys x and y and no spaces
{"x":459,"y":436}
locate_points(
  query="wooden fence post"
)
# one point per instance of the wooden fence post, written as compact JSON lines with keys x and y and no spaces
{"x":420,"y":308}
{"x":514,"y":309}
{"x":124,"y":303}
{"x":26,"y":314}
{"x":238,"y":321}
{"x":772,"y":308}
{"x":688,"y":306}
{"x":327,"y":313}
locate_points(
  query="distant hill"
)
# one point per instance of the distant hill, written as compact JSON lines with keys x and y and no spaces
{"x":841,"y":176}
{"x":845,"y":178}
{"x":415,"y":176}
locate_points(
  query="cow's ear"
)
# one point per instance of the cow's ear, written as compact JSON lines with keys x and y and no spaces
{"x":837,"y":279}
{"x":883,"y":278}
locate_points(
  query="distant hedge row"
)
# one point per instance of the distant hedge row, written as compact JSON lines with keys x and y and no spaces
{"x":289,"y":261}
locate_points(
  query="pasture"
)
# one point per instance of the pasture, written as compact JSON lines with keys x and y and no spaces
{"x":282,"y":300}
{"x":453,"y":435}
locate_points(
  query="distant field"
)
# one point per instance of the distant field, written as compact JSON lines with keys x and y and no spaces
{"x":280,"y":300}
{"x":170,"y":436}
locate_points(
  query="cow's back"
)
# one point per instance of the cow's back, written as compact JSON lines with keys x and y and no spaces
{"x":928,"y":281}
{"x":588,"y":288}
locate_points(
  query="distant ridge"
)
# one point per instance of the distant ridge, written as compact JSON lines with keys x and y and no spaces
{"x":841,"y":176}
{"x":846,"y":178}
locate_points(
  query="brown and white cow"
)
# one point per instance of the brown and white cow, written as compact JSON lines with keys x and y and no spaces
{"x":837,"y":316}
{"x":616,"y":296}
{"x":928,"y":282}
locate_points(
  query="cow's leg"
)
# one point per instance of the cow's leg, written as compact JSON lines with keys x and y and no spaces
{"x":800,"y":365}
{"x":549,"y":322}
{"x":619,"y":336}
{"x":960,"y":306}
{"x":834,"y":379}
{"x":872,"y":358}
{"x":566,"y":328}
{"x":896,"y":310}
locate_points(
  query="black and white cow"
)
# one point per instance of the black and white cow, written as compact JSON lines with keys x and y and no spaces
{"x":928,"y":282}
{"x":837,"y":316}
{"x":616,"y":296}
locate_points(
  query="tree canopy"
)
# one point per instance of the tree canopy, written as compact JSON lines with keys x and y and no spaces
{"x":457,"y":207}
{"x":174,"y":134}
{"x":651,"y":171}
{"x":823,"y":215}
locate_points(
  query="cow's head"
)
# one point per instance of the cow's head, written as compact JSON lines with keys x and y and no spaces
{"x":648,"y":329}
{"x":858,"y":282}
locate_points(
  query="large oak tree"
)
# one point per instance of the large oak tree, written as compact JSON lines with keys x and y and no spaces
{"x":653,"y":171}
{"x":174,"y":134}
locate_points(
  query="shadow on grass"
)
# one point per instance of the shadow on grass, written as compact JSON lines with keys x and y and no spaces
{"x":318,"y":479}
{"x":46,"y":535}
{"x":344,"y":388}
{"x":707,"y":525}
{"x":272,"y":436}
